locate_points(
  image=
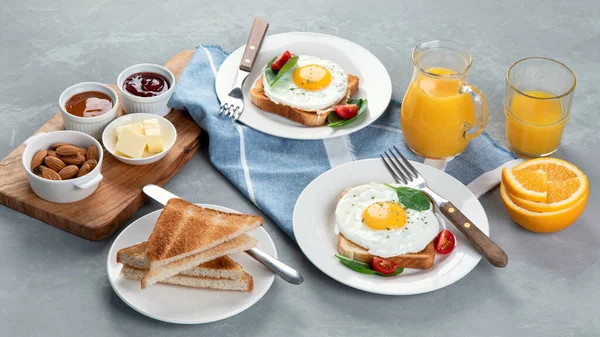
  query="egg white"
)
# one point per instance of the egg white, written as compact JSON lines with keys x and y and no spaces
{"x":285,"y":91}
{"x":420,"y":229}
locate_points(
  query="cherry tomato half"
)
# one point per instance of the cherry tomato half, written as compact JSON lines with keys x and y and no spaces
{"x":346,"y":111}
{"x":281,"y":60}
{"x":445,"y":241}
{"x":383,"y":266}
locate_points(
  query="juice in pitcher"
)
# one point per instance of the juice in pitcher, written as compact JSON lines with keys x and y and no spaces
{"x":440,"y":112}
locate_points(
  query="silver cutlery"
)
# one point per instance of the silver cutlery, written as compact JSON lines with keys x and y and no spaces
{"x":233,"y":104}
{"x":284,"y":271}
{"x":404,"y":172}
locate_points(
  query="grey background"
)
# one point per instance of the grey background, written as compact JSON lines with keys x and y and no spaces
{"x":54,"y":284}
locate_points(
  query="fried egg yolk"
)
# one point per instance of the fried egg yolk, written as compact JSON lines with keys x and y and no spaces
{"x":384,"y":216}
{"x":312,"y":77}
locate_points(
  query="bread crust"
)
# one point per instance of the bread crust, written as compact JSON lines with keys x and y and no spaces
{"x":421,"y":260}
{"x":308,"y":118}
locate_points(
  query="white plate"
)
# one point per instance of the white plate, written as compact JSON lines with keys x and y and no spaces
{"x":314,"y":222}
{"x":182,"y":305}
{"x":375,"y":83}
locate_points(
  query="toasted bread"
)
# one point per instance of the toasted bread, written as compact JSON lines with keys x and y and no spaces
{"x":309,"y":118}
{"x":184,"y":229}
{"x":421,"y":260}
{"x":245,"y":283}
{"x":221,"y":267}
{"x":236,"y":245}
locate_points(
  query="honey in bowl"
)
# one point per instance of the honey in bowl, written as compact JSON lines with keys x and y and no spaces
{"x":146,"y":84}
{"x":89,"y":104}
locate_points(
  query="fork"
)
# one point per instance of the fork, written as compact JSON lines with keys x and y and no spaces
{"x":233,"y":104}
{"x":404,"y":172}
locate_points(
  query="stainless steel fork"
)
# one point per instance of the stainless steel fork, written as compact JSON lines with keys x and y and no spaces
{"x":233,"y":104}
{"x":404,"y":172}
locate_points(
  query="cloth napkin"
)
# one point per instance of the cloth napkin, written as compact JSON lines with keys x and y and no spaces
{"x":272,"y":171}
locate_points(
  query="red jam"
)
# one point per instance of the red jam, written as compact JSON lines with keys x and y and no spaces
{"x":89,"y":104}
{"x":146,"y":84}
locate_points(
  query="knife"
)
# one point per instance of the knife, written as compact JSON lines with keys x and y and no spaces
{"x":282,"y":270}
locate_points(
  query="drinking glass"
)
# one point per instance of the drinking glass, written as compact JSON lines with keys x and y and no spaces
{"x":537,"y":104}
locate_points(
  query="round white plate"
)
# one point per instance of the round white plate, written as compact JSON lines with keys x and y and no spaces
{"x":375,"y":83}
{"x":314,"y":222}
{"x":183,"y":305}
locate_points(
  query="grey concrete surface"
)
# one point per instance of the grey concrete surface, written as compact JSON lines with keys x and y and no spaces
{"x":55,"y":284}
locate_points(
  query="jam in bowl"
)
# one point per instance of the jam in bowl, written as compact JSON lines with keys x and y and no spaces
{"x":146,"y":84}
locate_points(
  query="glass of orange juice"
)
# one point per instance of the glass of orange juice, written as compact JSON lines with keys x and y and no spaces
{"x":537,"y":104}
{"x":441,"y":112}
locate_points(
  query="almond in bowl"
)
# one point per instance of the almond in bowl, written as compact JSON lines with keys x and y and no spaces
{"x":63,"y":166}
{"x":140,"y":138}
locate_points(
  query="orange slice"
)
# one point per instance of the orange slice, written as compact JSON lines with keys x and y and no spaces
{"x":548,"y":180}
{"x":543,"y":222}
{"x":559,"y":195}
{"x":529,"y":185}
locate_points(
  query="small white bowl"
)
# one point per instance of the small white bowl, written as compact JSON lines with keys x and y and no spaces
{"x":93,"y":126}
{"x":61,"y":191}
{"x":156,"y":105}
{"x":109,"y":137}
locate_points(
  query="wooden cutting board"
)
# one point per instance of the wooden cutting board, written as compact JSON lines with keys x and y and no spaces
{"x":120,"y":192}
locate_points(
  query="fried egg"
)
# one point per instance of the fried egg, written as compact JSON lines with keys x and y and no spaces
{"x":313,"y":84}
{"x":372,"y":217}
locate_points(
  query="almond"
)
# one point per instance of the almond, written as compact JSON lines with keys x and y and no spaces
{"x":52,"y":153}
{"x":38,"y":158}
{"x":41,"y":168}
{"x":50,"y":174}
{"x":68,"y":172}
{"x":57,"y":145}
{"x":76,"y":159}
{"x":81,"y":151}
{"x":67,"y":150}
{"x":92,"y":153}
{"x":92,"y":163}
{"x":54,"y":164}
{"x":85,"y":169}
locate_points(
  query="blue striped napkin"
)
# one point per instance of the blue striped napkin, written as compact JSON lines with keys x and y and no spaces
{"x":272,"y":172}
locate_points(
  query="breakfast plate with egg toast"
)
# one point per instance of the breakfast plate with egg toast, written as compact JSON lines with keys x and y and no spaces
{"x":220,"y":281}
{"x":309,"y":86}
{"x":361,"y":228}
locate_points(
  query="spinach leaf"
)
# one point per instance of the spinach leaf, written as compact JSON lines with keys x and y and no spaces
{"x":272,"y":77}
{"x":269,"y":73}
{"x":365,"y":268}
{"x":411,"y":198}
{"x":335,"y":121}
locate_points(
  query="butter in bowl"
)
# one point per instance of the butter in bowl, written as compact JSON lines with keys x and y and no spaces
{"x":139,"y":139}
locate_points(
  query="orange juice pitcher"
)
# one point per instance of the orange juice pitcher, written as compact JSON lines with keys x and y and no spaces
{"x":441,"y":112}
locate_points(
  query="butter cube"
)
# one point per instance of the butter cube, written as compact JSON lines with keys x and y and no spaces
{"x":136,"y":127}
{"x":131,"y":143}
{"x":155,"y":143}
{"x":153,"y":121}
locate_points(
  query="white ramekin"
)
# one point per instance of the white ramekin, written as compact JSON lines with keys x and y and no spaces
{"x":156,"y":105}
{"x":93,"y":126}
{"x":109,"y":137}
{"x":61,"y":191}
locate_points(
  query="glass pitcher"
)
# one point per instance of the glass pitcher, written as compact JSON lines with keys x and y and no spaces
{"x":440,"y":112}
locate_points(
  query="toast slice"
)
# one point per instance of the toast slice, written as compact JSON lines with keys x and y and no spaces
{"x":245,"y":283}
{"x":308,"y":118}
{"x":221,"y":267}
{"x":236,"y":245}
{"x":421,"y":260}
{"x":184,"y":229}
